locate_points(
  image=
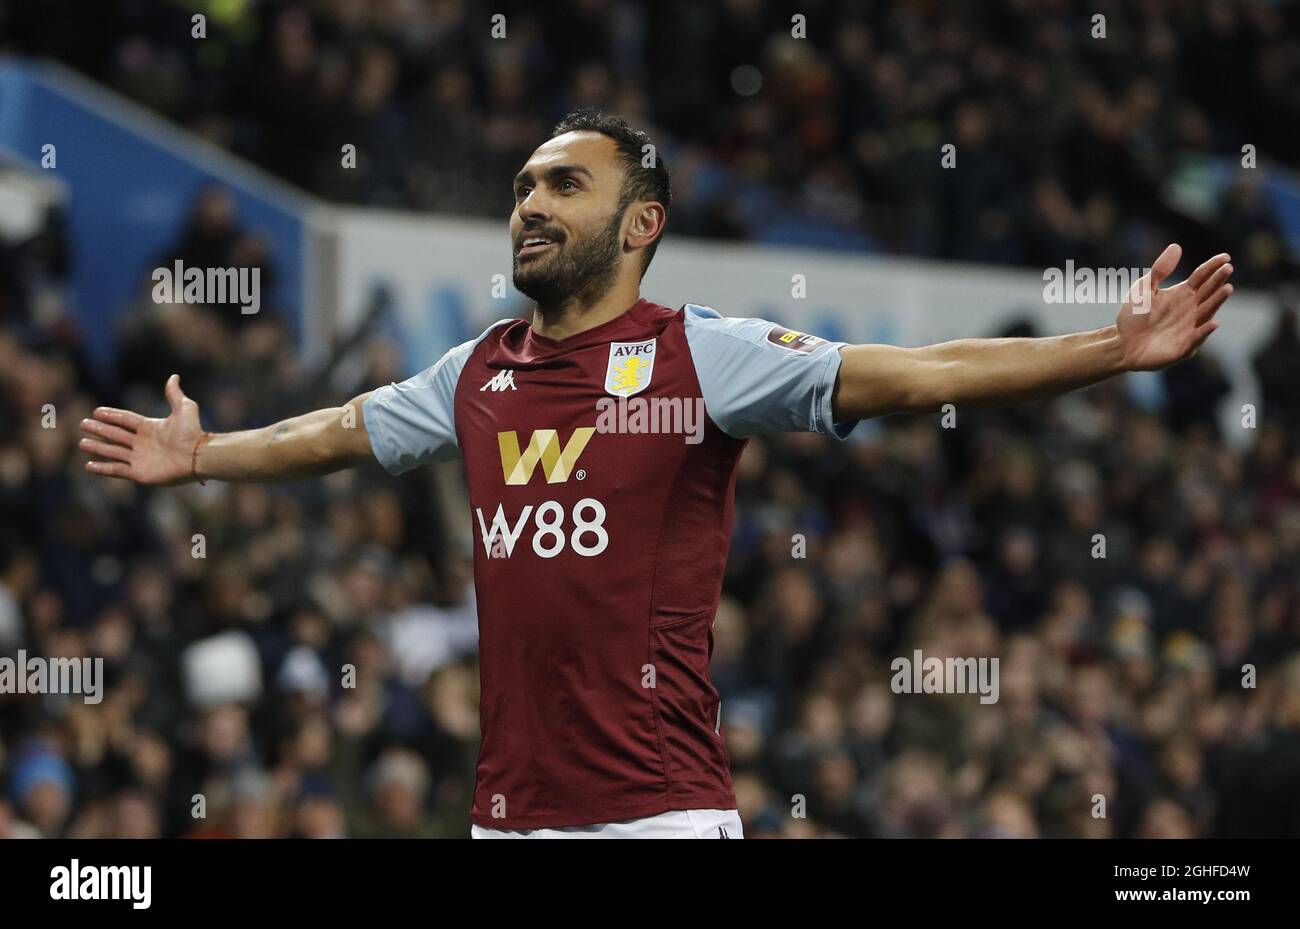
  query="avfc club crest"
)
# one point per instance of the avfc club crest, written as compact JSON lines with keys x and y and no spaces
{"x":630,"y":367}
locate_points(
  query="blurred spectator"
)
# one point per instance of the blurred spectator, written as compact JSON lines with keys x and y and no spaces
{"x":1275,"y":365}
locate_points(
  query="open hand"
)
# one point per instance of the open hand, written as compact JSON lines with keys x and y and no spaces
{"x":1158,"y":328}
{"x":137,"y":448}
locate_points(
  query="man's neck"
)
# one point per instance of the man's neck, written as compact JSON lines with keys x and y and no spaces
{"x":574,"y":316}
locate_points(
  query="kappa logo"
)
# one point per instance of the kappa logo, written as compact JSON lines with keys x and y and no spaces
{"x":795,"y":341}
{"x":544,"y":446}
{"x":502,"y":380}
{"x":630,"y":366}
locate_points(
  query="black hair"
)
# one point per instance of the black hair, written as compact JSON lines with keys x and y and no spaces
{"x":639,"y":182}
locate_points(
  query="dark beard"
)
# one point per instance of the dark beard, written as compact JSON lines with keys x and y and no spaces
{"x":582,"y":270}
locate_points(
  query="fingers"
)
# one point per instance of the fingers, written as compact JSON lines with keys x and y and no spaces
{"x":1209,"y":307}
{"x":1202,"y":333}
{"x":1216,"y":280}
{"x":109,"y":469}
{"x":129,"y":421}
{"x":1165,"y":264}
{"x":108,"y":433}
{"x":1202,"y":273}
{"x":105,"y":450}
{"x":173,"y":392}
{"x":1210,"y":296}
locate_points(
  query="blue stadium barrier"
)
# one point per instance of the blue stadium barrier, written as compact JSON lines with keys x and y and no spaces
{"x":133,"y":178}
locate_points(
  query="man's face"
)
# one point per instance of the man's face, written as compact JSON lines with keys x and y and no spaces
{"x":566,"y":210}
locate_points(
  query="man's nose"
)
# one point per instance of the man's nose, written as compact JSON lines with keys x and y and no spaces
{"x":533,"y":207}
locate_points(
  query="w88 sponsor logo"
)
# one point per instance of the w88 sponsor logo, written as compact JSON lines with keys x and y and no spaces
{"x":587,"y":536}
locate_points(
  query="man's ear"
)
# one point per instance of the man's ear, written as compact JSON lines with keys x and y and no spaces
{"x":647,"y":222}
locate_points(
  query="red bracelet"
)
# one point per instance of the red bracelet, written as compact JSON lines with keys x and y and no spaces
{"x":194,"y":458}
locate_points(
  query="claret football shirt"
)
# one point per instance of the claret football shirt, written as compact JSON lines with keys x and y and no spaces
{"x":601,"y":470}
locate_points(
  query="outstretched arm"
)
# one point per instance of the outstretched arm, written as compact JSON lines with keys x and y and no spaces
{"x":879,"y":379}
{"x":176,"y":450}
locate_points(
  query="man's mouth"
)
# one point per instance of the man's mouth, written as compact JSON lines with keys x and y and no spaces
{"x":533,"y":245}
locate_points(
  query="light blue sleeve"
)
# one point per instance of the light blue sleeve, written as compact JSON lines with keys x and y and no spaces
{"x":414,"y":422}
{"x":758,"y":377}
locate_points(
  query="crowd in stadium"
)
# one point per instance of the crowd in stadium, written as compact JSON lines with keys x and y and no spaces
{"x":1069,"y":144}
{"x":299,"y":660}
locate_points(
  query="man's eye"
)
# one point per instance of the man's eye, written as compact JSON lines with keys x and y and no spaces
{"x":567,"y":182}
{"x":522,"y":192}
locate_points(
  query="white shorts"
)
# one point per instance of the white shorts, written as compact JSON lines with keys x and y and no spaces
{"x":677,"y":824}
